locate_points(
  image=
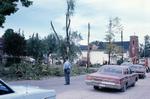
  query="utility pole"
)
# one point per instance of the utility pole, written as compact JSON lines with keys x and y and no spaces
{"x":88,"y":40}
{"x":122,"y":44}
{"x":110,"y":31}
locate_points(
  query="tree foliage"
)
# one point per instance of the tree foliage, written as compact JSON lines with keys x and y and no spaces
{"x":35,"y":47}
{"x":74,"y":50}
{"x":145,"y":49}
{"x":8,"y":7}
{"x":14,"y":43}
{"x":51,"y":44}
{"x":70,"y":7}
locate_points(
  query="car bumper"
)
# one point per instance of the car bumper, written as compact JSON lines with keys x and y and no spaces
{"x":141,"y":75}
{"x":103,"y":84}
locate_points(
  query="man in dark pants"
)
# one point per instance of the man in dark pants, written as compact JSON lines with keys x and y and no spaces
{"x":67,"y":67}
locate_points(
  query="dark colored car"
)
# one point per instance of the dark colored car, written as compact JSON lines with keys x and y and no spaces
{"x":82,"y":63}
{"x":136,"y":68}
{"x":139,"y":69}
{"x":112,"y":76}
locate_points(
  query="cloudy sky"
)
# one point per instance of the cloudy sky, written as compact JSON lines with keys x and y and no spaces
{"x":134,"y":15}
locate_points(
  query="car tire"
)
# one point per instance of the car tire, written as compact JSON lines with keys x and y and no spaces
{"x":144,"y":76}
{"x":133,"y":84}
{"x":136,"y":79}
{"x":124,"y":88}
{"x":96,"y":87}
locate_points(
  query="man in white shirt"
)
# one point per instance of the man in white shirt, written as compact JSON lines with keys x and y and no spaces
{"x":67,"y":67}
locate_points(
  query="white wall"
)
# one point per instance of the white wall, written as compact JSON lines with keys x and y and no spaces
{"x":96,"y":56}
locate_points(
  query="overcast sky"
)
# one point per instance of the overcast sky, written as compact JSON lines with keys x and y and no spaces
{"x":134,"y":15}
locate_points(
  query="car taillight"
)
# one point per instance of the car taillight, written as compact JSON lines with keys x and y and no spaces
{"x":121,"y":80}
{"x":118,"y":81}
{"x":89,"y":77}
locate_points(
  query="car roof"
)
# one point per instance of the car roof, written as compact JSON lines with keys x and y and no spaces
{"x":138,"y":65}
{"x":116,"y":66}
{"x":126,"y":63}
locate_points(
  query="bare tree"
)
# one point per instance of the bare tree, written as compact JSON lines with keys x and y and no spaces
{"x":114,"y":26}
{"x":69,"y":13}
{"x":109,"y":38}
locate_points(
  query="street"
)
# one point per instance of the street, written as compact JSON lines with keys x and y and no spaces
{"x":79,"y":90}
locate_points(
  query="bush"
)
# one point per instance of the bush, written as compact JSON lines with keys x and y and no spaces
{"x":28,"y":71}
{"x":56,"y":71}
{"x":22,"y":71}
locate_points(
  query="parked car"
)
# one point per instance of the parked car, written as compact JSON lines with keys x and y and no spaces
{"x":112,"y":76}
{"x":139,"y":69}
{"x":136,"y":68}
{"x":21,"y":92}
{"x":82,"y":62}
{"x":127,"y":64}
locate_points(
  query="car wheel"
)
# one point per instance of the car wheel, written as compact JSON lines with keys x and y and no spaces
{"x":144,"y":76}
{"x":96,"y":87}
{"x":136,"y":79}
{"x":133,"y":84}
{"x":124,"y":88}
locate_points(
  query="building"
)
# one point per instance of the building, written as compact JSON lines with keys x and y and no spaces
{"x":98,"y":54}
{"x":134,"y":48}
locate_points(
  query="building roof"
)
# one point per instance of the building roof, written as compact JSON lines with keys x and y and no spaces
{"x":102,"y":45}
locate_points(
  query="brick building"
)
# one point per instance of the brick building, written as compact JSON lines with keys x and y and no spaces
{"x":134,"y":48}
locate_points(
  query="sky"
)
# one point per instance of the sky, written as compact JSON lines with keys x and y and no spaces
{"x":134,"y":15}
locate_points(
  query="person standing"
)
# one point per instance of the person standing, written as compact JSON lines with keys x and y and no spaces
{"x":67,"y":68}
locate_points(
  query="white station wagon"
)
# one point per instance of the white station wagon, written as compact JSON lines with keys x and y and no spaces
{"x":22,"y":92}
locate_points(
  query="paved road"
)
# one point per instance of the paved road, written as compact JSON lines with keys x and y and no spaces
{"x":79,"y":90}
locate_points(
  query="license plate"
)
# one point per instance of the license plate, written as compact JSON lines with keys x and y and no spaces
{"x":108,"y":83}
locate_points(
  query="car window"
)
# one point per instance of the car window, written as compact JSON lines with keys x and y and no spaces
{"x":111,"y":70}
{"x":125,"y":71}
{"x":129,"y":71}
{"x":127,"y":64}
{"x":4,"y":89}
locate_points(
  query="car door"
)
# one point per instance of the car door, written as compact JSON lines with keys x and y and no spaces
{"x":129,"y":76}
{"x":132,"y":76}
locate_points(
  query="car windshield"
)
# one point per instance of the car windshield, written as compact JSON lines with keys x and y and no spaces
{"x":110,"y":70}
{"x":126,"y":64}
